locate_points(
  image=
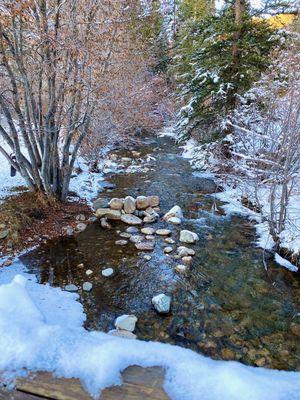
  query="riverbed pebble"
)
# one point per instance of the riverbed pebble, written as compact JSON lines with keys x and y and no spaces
{"x":163,"y":232}
{"x":181,"y":268}
{"x":185,"y":251}
{"x":170,"y":240}
{"x":148,"y":231}
{"x":168,"y":249}
{"x":162,"y":303}
{"x":116,"y":204}
{"x":131,"y":219}
{"x":87,"y":286}
{"x":174,"y":221}
{"x":126,"y":322}
{"x":175,"y":212}
{"x":71,"y":288}
{"x":129,"y":205}
{"x":147,"y":257}
{"x":142,"y":202}
{"x":132,"y":229}
{"x":145,"y":246}
{"x":88,"y":272}
{"x":136,"y":238}
{"x":187,"y":260}
{"x":121,"y":242}
{"x":108,"y":213}
{"x":81,"y":226}
{"x":188,"y":236}
{"x":125,"y":235}
{"x":153,"y":201}
{"x":107,"y":272}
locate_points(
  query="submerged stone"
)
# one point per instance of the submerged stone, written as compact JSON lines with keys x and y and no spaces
{"x":87,"y":286}
{"x":131,"y":219}
{"x":71,"y":288}
{"x":188,"y":236}
{"x":162,"y":303}
{"x":107,"y":272}
{"x":126,"y":322}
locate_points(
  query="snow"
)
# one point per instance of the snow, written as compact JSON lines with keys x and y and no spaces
{"x":6,"y":181}
{"x":31,"y":313}
{"x":285,"y":263}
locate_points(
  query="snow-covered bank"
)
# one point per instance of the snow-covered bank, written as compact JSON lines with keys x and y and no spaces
{"x":203,"y":159}
{"x":30,"y":314}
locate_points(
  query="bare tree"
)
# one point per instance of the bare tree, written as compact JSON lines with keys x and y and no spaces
{"x":265,"y":145}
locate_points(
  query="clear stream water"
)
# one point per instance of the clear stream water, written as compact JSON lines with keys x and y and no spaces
{"x":226,"y":306}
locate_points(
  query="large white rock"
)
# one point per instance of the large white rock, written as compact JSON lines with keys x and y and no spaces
{"x":142,"y":202}
{"x":153,"y":201}
{"x":108,"y":213}
{"x":126,"y":322}
{"x":175,"y":211}
{"x":162,"y":303}
{"x":116,"y":204}
{"x":188,"y":236}
{"x":131,"y":219}
{"x":129,"y":205}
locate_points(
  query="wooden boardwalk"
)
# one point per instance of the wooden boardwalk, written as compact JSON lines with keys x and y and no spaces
{"x":138,"y":383}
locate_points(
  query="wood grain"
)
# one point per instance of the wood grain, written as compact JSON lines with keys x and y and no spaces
{"x":138,"y":383}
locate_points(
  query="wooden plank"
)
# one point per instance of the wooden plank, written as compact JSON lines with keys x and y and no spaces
{"x":138,"y":383}
{"x":15,"y":395}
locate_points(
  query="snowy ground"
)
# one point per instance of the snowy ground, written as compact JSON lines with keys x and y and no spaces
{"x":201,"y":159}
{"x":31,"y":313}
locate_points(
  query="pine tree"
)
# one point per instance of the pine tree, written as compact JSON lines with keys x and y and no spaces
{"x":219,"y":57}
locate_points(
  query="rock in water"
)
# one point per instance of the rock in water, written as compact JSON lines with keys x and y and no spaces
{"x":107,"y":272}
{"x":88,"y":272}
{"x":175,"y":211}
{"x":188,"y":236}
{"x":71,"y":288}
{"x":185,"y":251}
{"x":104,"y":224}
{"x":187,"y":260}
{"x":153,"y":201}
{"x":129,"y":205}
{"x":136,"y":238}
{"x":163,"y":232}
{"x":148,"y":231}
{"x":142,"y":202}
{"x":108,"y":213}
{"x":116,"y":204}
{"x":87,"y":286}
{"x":126,"y":322}
{"x":131,"y":219}
{"x":181,"y":268}
{"x":132,"y":229}
{"x":168,"y":249}
{"x":122,"y":334}
{"x":81,"y":226}
{"x":121,"y":242}
{"x":174,"y":221}
{"x":146,"y":246}
{"x":100,"y":203}
{"x":162,"y":303}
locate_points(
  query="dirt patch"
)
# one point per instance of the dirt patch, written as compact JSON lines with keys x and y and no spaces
{"x":28,"y":219}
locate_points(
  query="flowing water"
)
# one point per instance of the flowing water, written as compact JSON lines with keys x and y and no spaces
{"x":226,"y":306}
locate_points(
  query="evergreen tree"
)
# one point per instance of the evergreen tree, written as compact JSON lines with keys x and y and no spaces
{"x":219,"y":57}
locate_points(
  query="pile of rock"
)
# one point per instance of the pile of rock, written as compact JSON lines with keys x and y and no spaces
{"x":129,"y":210}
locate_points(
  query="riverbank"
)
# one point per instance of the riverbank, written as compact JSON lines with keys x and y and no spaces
{"x":242,"y":197}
